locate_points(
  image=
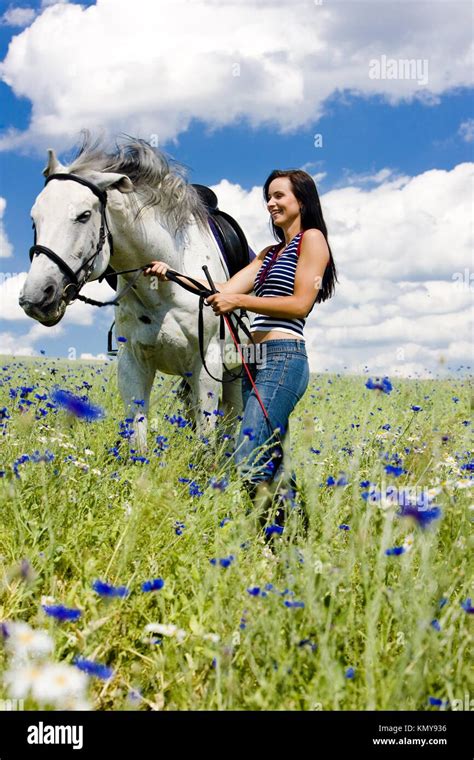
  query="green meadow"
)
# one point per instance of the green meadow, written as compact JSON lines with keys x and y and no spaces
{"x":318,"y":620}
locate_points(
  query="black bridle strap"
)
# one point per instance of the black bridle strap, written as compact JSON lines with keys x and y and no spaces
{"x":101,"y":194}
{"x":63,"y":266}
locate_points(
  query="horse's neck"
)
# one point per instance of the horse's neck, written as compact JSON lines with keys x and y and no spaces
{"x":138,"y":240}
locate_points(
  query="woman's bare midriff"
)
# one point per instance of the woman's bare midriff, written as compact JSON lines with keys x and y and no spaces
{"x":260,"y":335}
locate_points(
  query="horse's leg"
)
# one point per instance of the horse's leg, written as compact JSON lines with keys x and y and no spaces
{"x":205,"y":392}
{"x":135,"y":380}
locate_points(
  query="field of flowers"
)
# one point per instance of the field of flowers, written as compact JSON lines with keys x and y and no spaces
{"x":145,"y":582}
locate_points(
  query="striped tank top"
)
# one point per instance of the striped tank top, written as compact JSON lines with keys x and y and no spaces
{"x":276,"y":277}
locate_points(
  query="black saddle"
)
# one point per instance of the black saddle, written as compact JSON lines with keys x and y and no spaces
{"x":228,"y":233}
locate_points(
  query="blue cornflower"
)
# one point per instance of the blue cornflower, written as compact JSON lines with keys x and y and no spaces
{"x":344,"y":527}
{"x":435,"y":702}
{"x":416,"y":408}
{"x":60,"y":612}
{"x":391,"y":470}
{"x":194,"y":489}
{"x":179,"y":527}
{"x":254,"y":591}
{"x":442,"y":602}
{"x":467,"y":606}
{"x":121,"y":339}
{"x":219,"y":485}
{"x":396,"y":550}
{"x":224,"y":521}
{"x":105,"y":589}
{"x":287,"y":603}
{"x":224,"y":561}
{"x":422,"y":516}
{"x":93,"y":668}
{"x":271,"y":529}
{"x":435,"y":624}
{"x":78,"y":406}
{"x":161,"y":442}
{"x":350,"y":673}
{"x":385,"y":385}
{"x":248,"y":431}
{"x":153,"y":585}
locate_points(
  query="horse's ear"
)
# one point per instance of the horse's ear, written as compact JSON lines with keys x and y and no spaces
{"x":109,"y":180}
{"x":53,"y":166}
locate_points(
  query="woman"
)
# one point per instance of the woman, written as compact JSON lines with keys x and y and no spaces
{"x":287,"y":279}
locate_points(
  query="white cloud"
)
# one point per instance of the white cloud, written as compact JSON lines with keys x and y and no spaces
{"x":5,"y":246}
{"x":18,"y":17}
{"x":466,"y":130}
{"x":158,"y":64}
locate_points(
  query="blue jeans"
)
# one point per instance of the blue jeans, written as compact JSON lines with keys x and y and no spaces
{"x":281,"y":381}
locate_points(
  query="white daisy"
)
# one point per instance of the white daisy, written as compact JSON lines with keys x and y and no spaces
{"x":24,"y":642}
{"x":59,"y":683}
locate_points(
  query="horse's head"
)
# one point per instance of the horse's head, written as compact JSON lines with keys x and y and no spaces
{"x":71,"y":241}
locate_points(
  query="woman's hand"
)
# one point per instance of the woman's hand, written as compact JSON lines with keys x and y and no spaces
{"x":157,"y":268}
{"x":222,"y":303}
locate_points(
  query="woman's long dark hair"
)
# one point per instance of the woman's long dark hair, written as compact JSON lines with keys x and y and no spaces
{"x":304,"y":189}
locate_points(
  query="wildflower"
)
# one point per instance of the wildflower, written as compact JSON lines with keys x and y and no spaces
{"x":179,"y":527}
{"x":23,"y":642}
{"x":435,"y":624}
{"x":57,"y":682}
{"x":385,"y":385}
{"x":467,"y":606}
{"x":350,"y":673}
{"x":416,"y":408}
{"x":287,"y":603}
{"x":60,"y":612}
{"x":163,"y":629}
{"x":224,"y":561}
{"x":104,"y":589}
{"x":435,"y":702}
{"x":93,"y":668}
{"x":271,"y":529}
{"x":153,"y":585}
{"x":220,"y":485}
{"x":254,"y":591}
{"x":78,"y":406}
{"x":396,"y":550}
{"x":121,"y":339}
{"x":248,"y":431}
{"x":397,"y":471}
{"x":422,"y":516}
{"x":224,"y":521}
{"x":344,"y":527}
{"x":442,"y":602}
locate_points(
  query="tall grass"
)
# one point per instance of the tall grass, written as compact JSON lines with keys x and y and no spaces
{"x":319,"y":604}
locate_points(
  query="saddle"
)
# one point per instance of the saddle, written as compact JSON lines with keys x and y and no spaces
{"x":228,"y":234}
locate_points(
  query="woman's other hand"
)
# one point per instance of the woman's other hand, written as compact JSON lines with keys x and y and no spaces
{"x":222,"y":303}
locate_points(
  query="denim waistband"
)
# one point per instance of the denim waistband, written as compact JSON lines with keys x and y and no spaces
{"x":278,"y":345}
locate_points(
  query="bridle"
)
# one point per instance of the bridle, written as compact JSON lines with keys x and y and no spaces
{"x":76,"y":282}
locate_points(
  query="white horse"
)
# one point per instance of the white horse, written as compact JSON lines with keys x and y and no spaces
{"x":152,"y":213}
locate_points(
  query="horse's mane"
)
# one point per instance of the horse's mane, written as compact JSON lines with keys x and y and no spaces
{"x":160,"y":180}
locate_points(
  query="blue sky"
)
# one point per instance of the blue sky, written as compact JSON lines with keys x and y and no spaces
{"x":363,"y":133}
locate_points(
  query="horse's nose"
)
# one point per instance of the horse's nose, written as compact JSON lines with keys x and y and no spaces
{"x":40,"y":300}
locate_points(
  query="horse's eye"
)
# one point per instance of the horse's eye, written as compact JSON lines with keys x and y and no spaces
{"x":84,"y":217}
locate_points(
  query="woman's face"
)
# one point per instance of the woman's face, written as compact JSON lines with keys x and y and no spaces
{"x":282,"y":204}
